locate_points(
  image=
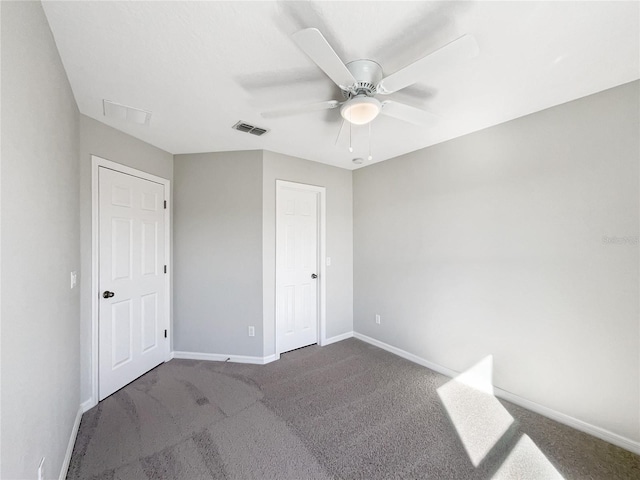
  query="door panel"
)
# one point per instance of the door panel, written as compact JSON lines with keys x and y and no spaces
{"x":149,"y":321}
{"x":132,"y":257}
{"x":122,"y":336}
{"x":121,"y":233}
{"x":149,"y":248}
{"x":296,"y":260}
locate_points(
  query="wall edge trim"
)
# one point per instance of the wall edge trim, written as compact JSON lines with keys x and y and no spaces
{"x":593,"y":430}
{"x":72,"y":441}
{"x":88,"y":404}
{"x":222,"y":357}
{"x":337,"y":338}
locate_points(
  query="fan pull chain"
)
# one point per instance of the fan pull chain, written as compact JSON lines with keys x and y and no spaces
{"x":370,"y":156}
{"x":350,"y":144}
{"x":340,"y":132}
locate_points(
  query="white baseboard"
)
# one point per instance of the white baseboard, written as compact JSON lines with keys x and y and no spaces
{"x":337,"y":338}
{"x":570,"y":421}
{"x":219,"y":357}
{"x":271,"y":358}
{"x":563,"y":418}
{"x":72,"y":442}
{"x":409,"y":356}
{"x":87,"y":405}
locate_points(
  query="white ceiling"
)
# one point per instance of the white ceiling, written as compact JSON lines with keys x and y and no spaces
{"x":199,"y":67}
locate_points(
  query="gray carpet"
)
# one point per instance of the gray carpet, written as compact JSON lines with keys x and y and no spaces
{"x":348,"y":410}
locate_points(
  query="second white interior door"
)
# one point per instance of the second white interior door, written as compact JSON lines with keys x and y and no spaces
{"x":132,"y":313}
{"x":297,"y":261}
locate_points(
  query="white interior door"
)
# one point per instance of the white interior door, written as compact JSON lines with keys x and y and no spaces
{"x":132,"y":316}
{"x":297,"y":260}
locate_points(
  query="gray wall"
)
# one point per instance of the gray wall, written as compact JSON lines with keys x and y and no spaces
{"x":40,"y":231}
{"x":218,"y":253}
{"x":103,"y":141}
{"x":225,"y":248}
{"x":500,"y":242}
{"x":339,"y":276}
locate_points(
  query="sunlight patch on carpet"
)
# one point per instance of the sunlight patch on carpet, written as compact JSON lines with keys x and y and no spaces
{"x":481,"y":422}
{"x":526,"y":462}
{"x":478,"y":417}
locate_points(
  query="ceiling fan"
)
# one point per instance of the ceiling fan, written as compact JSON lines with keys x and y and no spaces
{"x":362,"y":80}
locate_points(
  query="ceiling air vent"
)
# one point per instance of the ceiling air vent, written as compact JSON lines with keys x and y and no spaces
{"x":126,"y":113}
{"x":252,"y":129}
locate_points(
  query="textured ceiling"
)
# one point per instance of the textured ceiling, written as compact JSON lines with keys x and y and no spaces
{"x":199,"y":67}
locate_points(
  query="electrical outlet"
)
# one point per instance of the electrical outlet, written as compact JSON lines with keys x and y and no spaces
{"x":41,"y":470}
{"x":252,"y":331}
{"x":377,"y":319}
{"x":74,"y":279}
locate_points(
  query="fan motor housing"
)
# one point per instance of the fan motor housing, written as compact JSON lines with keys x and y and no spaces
{"x":368,"y":74}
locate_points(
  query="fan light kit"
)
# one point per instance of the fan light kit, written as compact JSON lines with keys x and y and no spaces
{"x":361,"y":80}
{"x":360,"y":110}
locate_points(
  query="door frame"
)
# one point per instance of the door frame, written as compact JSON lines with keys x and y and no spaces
{"x":322,"y":253}
{"x":96,"y":164}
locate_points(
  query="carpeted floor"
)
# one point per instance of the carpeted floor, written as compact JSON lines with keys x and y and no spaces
{"x":348,"y":410}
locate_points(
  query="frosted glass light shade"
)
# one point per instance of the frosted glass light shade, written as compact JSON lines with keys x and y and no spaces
{"x":360,"y":110}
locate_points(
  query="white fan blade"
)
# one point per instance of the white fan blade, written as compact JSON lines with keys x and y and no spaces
{"x":460,"y":49}
{"x":407,"y":113}
{"x":310,"y":107}
{"x":313,"y":43}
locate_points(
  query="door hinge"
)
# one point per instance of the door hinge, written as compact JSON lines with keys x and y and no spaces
{"x":165,"y":334}
{"x":165,"y":204}
{"x":165,"y":269}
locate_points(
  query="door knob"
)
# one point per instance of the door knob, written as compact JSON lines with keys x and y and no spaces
{"x":313,"y":275}
{"x":107,"y":294}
